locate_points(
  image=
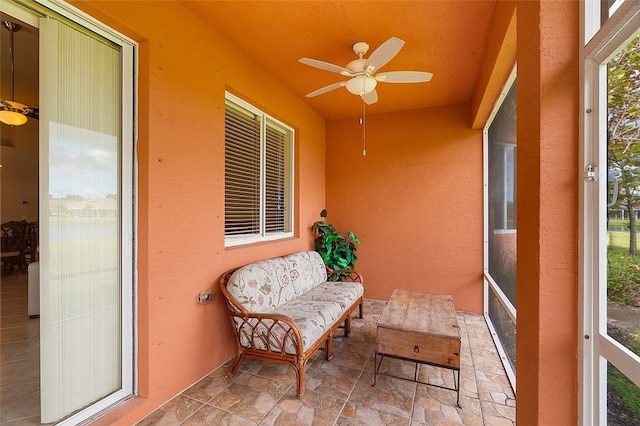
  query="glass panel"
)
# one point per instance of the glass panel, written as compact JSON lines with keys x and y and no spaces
{"x":277,"y":187}
{"x":623,"y":399}
{"x":623,"y":262}
{"x":609,"y":7}
{"x":81,"y":288}
{"x":502,"y":151}
{"x":505,"y":328}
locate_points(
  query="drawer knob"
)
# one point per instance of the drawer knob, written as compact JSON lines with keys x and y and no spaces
{"x":416,"y":349}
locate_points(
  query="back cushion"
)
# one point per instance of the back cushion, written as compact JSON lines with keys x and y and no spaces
{"x":306,"y":270}
{"x":265,"y":285}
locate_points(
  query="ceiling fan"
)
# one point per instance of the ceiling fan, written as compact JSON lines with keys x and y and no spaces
{"x":363,"y":72}
{"x":11,"y":112}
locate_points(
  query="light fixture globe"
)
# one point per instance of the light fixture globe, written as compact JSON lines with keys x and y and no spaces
{"x":13,"y":113}
{"x":361,"y":85}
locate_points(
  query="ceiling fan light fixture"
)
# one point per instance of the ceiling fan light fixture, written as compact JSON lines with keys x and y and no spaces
{"x":361,"y":85}
{"x":13,"y":113}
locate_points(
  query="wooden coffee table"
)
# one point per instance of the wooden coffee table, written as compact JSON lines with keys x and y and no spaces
{"x":421,"y":328}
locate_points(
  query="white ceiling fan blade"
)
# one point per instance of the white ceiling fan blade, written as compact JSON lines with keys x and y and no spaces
{"x":370,"y":98}
{"x":383,"y":54}
{"x":404,"y":77}
{"x":326,"y":66}
{"x":326,"y":89}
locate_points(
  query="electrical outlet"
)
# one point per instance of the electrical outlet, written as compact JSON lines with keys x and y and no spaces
{"x":205,"y":297}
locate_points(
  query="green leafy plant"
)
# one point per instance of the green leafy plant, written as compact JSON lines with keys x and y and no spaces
{"x":623,"y":283}
{"x":338,"y":250}
{"x":625,"y":388}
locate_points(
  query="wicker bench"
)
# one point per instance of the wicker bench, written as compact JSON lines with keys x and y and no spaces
{"x":284,"y":309}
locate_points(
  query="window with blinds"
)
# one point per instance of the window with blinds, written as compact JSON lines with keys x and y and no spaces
{"x":258,"y":175}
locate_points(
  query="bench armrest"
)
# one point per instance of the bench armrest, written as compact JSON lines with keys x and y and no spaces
{"x":273,"y":333}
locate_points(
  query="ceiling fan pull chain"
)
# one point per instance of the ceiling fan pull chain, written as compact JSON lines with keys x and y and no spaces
{"x":364,"y":133}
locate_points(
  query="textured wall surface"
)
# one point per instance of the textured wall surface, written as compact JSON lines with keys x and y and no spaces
{"x":415,"y":200}
{"x":184,"y":69}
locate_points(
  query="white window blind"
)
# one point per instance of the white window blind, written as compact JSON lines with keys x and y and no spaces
{"x":258,"y":175}
{"x":242,"y":171}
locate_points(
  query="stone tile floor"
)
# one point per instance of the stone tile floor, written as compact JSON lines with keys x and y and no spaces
{"x":340,"y":391}
{"x":19,"y":355}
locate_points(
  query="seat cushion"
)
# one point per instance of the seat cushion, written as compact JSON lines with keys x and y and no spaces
{"x":344,"y":293}
{"x":312,"y":318}
{"x":314,"y":313}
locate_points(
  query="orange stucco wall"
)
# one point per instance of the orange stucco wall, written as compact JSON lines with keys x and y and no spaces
{"x":414,"y":200}
{"x":548,"y":141}
{"x":184,"y":69}
{"x":498,"y":62}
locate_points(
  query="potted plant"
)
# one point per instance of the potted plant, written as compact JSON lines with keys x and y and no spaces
{"x":338,"y":250}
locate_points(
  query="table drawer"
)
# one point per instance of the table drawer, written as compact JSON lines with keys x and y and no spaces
{"x":440,"y":350}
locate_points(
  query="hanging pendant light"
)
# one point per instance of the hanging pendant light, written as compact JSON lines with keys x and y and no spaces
{"x":12,"y":112}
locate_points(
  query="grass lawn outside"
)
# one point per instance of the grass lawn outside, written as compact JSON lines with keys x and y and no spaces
{"x":623,"y":284}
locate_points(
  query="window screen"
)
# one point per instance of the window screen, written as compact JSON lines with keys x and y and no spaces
{"x":501,"y":228}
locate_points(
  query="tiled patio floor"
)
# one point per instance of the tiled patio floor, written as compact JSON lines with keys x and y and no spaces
{"x":340,"y":391}
{"x":19,"y":355}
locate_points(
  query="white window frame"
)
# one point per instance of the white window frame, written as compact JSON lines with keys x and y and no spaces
{"x":596,"y":348}
{"x":236,"y":240}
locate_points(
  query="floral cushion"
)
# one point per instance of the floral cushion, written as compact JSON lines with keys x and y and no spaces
{"x":265,"y":285}
{"x":344,"y":293}
{"x":307,"y":270}
{"x":312,"y":318}
{"x":313,"y":312}
{"x":295,"y":286}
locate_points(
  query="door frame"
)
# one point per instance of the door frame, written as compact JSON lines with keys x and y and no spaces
{"x":596,"y":348}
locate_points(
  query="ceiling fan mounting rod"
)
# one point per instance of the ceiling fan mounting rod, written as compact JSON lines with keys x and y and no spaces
{"x":12,"y":27}
{"x":11,"y":112}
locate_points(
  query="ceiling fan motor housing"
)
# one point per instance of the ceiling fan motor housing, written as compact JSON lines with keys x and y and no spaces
{"x":357,"y":66}
{"x":362,"y":83}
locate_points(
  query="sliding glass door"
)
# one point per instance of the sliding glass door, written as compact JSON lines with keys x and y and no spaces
{"x":86,"y":218}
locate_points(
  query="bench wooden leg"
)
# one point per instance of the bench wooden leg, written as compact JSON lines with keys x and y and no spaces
{"x":300,"y":376}
{"x":328,"y":348}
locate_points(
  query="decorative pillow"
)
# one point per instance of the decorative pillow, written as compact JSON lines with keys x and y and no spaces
{"x":258,"y":286}
{"x":306,"y":270}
